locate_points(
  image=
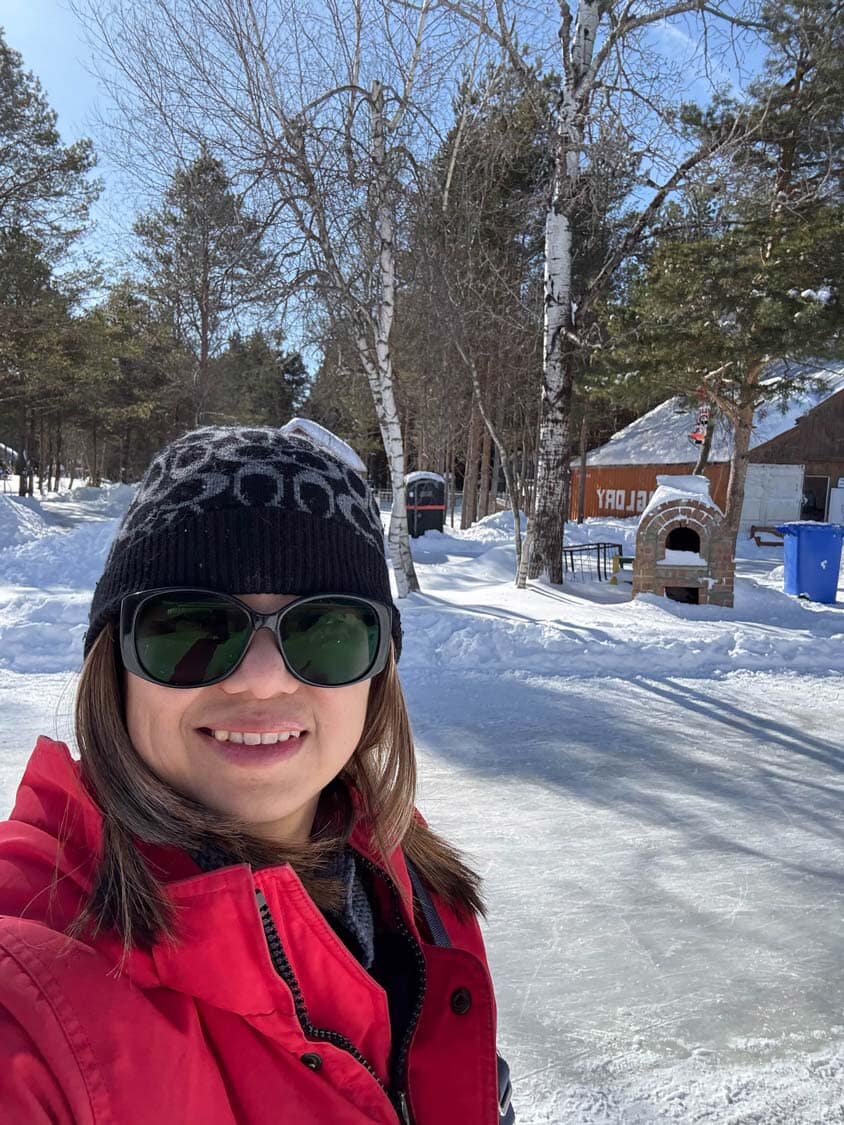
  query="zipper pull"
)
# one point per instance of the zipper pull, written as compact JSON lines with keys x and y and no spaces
{"x":404,"y":1111}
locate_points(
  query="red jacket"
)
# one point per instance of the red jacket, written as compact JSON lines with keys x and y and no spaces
{"x":205,"y":1031}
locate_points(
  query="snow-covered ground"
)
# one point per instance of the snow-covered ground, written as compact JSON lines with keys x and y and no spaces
{"x":653,"y":793}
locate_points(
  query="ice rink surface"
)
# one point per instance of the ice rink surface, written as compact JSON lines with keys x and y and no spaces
{"x":652,"y":792}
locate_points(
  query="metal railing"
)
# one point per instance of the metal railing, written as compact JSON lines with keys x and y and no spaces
{"x":587,"y":562}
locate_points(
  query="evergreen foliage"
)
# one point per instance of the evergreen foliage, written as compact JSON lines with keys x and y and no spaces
{"x":45,"y":191}
{"x":205,"y":263}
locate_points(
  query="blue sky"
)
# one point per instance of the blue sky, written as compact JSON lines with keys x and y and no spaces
{"x":48,"y":36}
{"x":51,"y":41}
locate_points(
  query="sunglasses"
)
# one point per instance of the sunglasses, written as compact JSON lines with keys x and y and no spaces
{"x":187,"y":638}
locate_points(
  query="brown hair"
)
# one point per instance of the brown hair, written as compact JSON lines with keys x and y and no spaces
{"x":137,"y":805}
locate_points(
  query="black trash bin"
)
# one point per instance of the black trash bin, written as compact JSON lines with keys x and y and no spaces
{"x":425,"y":502}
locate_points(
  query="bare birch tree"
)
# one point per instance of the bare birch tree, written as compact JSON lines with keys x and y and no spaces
{"x":316,"y":109}
{"x":605,"y":69}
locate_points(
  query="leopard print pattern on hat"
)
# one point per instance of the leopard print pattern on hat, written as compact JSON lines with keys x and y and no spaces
{"x":231,"y":467}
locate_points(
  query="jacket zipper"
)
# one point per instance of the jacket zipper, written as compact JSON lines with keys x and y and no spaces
{"x":285,"y":970}
{"x":401,"y":1060}
{"x":404,"y":1112}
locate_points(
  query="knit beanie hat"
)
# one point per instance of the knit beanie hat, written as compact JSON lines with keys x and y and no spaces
{"x":246,"y":510}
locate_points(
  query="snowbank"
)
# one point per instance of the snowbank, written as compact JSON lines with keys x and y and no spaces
{"x":20,"y":519}
{"x":109,"y":500}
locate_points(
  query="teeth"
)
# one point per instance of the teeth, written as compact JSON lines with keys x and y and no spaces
{"x":249,"y":738}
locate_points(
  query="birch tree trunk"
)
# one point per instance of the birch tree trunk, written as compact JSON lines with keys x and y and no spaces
{"x":595,"y":71}
{"x":380,"y":373}
{"x":554,"y":454}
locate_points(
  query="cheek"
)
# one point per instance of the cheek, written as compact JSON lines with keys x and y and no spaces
{"x":151,"y":711}
{"x":347,"y":708}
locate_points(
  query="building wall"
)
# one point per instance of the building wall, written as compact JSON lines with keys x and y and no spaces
{"x":817,"y":437}
{"x":817,"y":441}
{"x":625,"y":490}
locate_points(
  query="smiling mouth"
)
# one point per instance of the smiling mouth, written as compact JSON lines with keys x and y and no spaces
{"x":279,"y":745}
{"x":252,"y":738}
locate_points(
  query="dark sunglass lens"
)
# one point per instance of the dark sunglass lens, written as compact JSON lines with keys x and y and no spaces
{"x":331,"y":642}
{"x":185,"y":640}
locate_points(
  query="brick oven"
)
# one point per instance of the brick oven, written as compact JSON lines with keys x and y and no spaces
{"x":683,"y":549}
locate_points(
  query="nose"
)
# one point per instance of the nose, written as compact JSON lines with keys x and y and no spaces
{"x":262,"y":673}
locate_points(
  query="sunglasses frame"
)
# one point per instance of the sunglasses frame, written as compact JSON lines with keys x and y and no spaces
{"x":131,"y":605}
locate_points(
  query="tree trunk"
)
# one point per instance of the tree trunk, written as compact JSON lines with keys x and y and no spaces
{"x":468,"y":512}
{"x":30,"y":474}
{"x":125,"y":446}
{"x":204,"y":339}
{"x":93,"y":463}
{"x":453,"y":482}
{"x":483,"y":490}
{"x":581,"y":480}
{"x":21,"y":460}
{"x":494,"y":433}
{"x":741,"y":447}
{"x":380,"y":371}
{"x":554,"y":452}
{"x":43,"y":457}
{"x":492,"y":505}
{"x":524,"y":498}
{"x":706,"y":444}
{"x":553,"y":473}
{"x":58,"y":456}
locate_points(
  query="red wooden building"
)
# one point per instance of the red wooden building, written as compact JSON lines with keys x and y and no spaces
{"x":796,"y":468}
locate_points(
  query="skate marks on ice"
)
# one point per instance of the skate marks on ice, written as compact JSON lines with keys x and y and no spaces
{"x":663,"y":865}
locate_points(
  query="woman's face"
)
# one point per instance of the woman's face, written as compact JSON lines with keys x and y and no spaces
{"x":185,"y":736}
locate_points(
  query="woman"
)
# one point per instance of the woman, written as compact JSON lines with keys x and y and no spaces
{"x":229,"y":911}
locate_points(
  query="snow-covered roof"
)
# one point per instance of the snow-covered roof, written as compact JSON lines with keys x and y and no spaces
{"x":421,"y":474}
{"x":661,"y":437}
{"x":671,"y":489}
{"x":319,"y":435}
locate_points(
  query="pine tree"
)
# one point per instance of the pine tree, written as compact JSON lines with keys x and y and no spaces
{"x":258,"y":381}
{"x":45,"y":191}
{"x":714,"y":307}
{"x":34,"y":332}
{"x":205,"y":263}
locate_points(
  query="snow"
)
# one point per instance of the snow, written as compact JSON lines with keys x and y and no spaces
{"x":20,"y":519}
{"x":325,"y":439}
{"x":824,"y":295}
{"x":661,"y":437}
{"x":651,"y":791}
{"x":682,"y":558}
{"x":421,"y":474}
{"x":675,"y":490}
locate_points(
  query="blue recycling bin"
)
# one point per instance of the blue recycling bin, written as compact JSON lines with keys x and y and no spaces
{"x":812,"y":557}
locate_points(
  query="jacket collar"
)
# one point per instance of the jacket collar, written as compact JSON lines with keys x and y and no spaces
{"x":217,"y":914}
